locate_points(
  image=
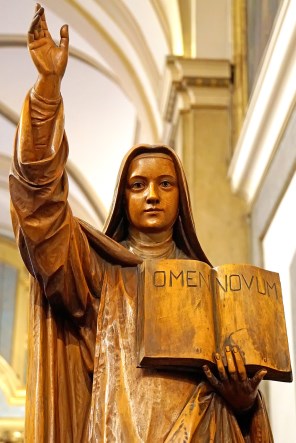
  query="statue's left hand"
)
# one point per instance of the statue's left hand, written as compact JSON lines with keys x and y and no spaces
{"x":233,"y":384}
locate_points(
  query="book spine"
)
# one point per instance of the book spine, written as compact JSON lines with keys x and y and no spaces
{"x":216,"y":313}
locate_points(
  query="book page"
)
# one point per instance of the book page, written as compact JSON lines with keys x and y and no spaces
{"x":250,"y":314}
{"x":175,"y":314}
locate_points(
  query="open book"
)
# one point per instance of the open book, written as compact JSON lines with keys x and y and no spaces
{"x":188,"y":310}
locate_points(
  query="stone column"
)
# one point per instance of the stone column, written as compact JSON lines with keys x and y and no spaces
{"x":196,"y":106}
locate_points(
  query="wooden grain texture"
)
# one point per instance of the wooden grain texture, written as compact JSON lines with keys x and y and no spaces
{"x":83,"y":382}
{"x":188,"y":311}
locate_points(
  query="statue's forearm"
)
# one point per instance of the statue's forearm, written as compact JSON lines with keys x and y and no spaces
{"x":49,"y":86}
{"x":41,"y":149}
{"x":43,"y":115}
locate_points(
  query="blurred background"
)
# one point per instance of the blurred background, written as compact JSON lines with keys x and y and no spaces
{"x":216,"y":80}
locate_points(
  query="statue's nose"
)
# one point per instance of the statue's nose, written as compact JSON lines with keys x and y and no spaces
{"x":153,"y":195}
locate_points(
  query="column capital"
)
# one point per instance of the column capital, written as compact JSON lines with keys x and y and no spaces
{"x":190,"y":82}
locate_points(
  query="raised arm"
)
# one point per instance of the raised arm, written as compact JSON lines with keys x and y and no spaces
{"x":52,"y":244}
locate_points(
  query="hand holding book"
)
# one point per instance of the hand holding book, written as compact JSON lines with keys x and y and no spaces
{"x":188,"y":313}
{"x":233,"y":384}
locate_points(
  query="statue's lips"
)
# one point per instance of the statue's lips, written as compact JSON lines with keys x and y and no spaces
{"x":153,"y":210}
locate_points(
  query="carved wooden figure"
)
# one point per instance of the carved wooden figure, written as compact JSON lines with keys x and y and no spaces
{"x":84,"y":383}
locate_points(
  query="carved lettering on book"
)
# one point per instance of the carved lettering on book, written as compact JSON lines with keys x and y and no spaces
{"x":188,"y":310}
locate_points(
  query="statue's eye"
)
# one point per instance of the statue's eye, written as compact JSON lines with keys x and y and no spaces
{"x":137,"y":186}
{"x":165,"y":184}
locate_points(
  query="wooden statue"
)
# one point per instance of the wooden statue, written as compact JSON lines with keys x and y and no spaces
{"x":84,"y":383}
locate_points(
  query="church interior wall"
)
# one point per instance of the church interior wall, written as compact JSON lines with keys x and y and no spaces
{"x":198,"y":114}
{"x":273,"y":247}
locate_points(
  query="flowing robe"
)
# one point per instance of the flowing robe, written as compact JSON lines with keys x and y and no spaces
{"x":83,"y":380}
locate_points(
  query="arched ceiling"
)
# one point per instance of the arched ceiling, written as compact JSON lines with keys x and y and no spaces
{"x":110,"y":89}
{"x":112,"y":86}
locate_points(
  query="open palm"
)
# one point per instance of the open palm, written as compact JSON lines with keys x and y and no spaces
{"x":48,"y":58}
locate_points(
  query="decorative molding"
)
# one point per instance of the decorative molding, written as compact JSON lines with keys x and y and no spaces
{"x":193,"y":83}
{"x":270,"y":107}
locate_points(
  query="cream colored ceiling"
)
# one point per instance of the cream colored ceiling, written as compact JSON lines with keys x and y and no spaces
{"x":113,"y":81}
{"x":109,"y":90}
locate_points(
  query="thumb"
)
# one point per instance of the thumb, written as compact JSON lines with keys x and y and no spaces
{"x":258,"y":377}
{"x":64,"y":32}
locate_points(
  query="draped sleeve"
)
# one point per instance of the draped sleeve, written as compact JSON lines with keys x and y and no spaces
{"x":66,"y":278}
{"x":52,"y":243}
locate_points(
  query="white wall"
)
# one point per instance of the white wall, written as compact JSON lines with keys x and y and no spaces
{"x":279,"y":249}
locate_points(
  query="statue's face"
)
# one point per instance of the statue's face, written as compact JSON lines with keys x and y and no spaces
{"x":152,"y":193}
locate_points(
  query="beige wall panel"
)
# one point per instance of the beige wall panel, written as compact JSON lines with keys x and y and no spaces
{"x":221,"y":217}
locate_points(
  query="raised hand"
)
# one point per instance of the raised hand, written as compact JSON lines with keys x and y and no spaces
{"x":234,"y":386}
{"x":49,"y":59}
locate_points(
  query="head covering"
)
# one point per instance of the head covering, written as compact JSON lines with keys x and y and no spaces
{"x":184,"y":234}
